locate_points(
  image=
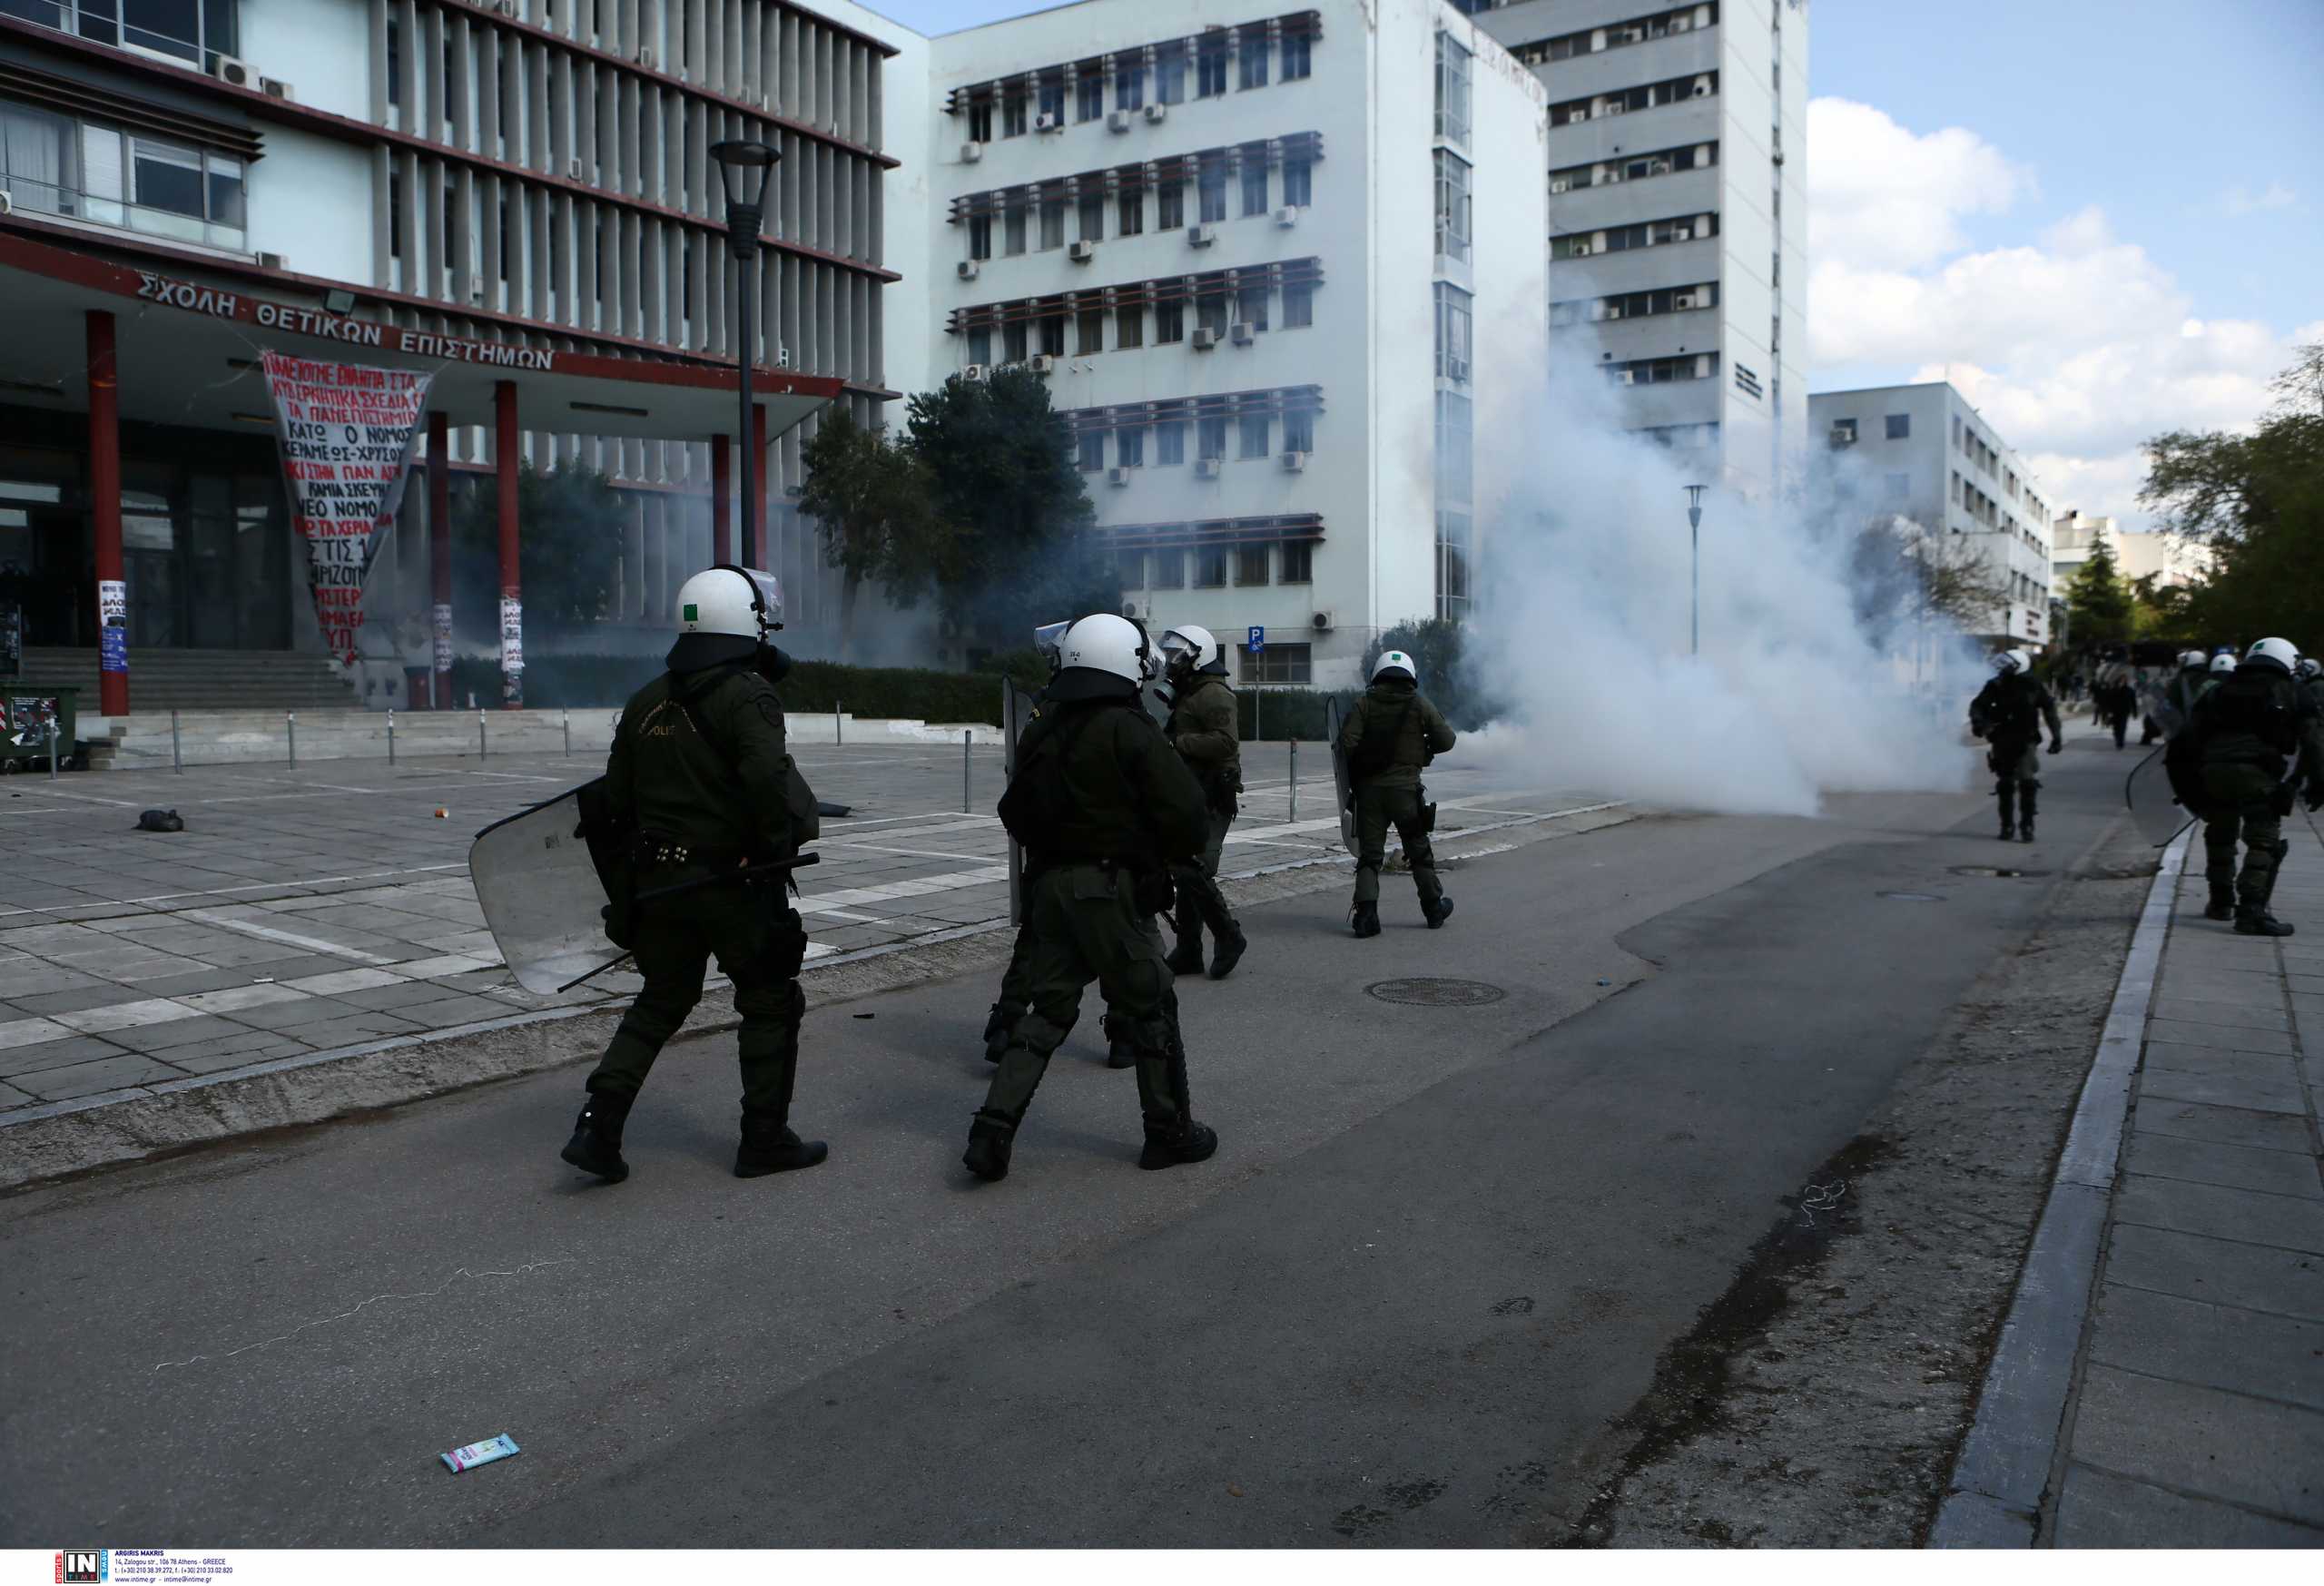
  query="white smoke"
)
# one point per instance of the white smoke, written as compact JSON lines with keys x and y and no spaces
{"x":1581,"y":632}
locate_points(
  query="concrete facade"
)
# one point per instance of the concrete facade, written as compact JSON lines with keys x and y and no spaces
{"x":2171,"y":562}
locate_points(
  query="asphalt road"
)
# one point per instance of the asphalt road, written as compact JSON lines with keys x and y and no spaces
{"x":1439,"y":1246}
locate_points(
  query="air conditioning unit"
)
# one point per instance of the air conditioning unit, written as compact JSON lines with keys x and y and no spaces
{"x":507,"y":8}
{"x":573,"y":170}
{"x":1288,"y":215}
{"x":1082,"y":252}
{"x":1629,"y":377}
{"x":1702,"y":88}
{"x":1204,"y":340}
{"x":1040,"y":363}
{"x":1131,"y":612}
{"x":274,"y":262}
{"x":1156,"y":113}
{"x":1617,"y":108}
{"x":1456,"y":369}
{"x":274,"y":88}
{"x":1616,"y":173}
{"x":972,"y":152}
{"x":1201,"y":236}
{"x":967,"y":268}
{"x":1683,"y":301}
{"x":1582,"y":251}
{"x":1681,"y":24}
{"x":1294,"y":462}
{"x":1843,"y":435}
{"x":234,"y":73}
{"x":1118,"y":121}
{"x":975,"y":371}
{"x":7,"y":205}
{"x":1205,"y":467}
{"x":645,"y":57}
{"x":1046,"y":123}
{"x":1242,"y":332}
{"x":1117,"y":475}
{"x":1613,"y":310}
{"x":1322,"y":622}
{"x":1560,"y":184}
{"x":1682,"y":233}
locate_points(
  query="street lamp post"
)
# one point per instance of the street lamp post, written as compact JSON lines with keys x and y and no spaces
{"x":744,"y":167}
{"x":1694,"y":568}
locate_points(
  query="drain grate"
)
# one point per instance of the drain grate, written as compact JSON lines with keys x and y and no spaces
{"x":1432,"y":992}
{"x":1911,"y":897}
{"x":2000,"y":871}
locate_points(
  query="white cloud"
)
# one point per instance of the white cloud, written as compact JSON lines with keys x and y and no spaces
{"x":2239,"y":200}
{"x":2077,"y":345}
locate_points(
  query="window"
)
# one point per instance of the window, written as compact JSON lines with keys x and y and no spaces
{"x":1454,"y":461}
{"x":1129,"y":88}
{"x":1255,"y":184}
{"x":981,"y":344}
{"x":1280,"y":663}
{"x":1129,"y":212}
{"x":1900,"y":426}
{"x":1012,"y":341}
{"x":37,"y":160}
{"x":1092,"y":207}
{"x":1130,"y":565}
{"x":1169,"y":206}
{"x":1452,"y":90}
{"x":1051,"y":101}
{"x":1298,"y":567}
{"x":1253,"y":59}
{"x":1251,"y":306}
{"x":1012,"y":231}
{"x":1129,"y":326}
{"x":1093,"y":450}
{"x":1091,"y":327}
{"x":1210,"y":567}
{"x":1170,"y":78}
{"x":1012,"y":116}
{"x":980,"y":121}
{"x":1956,"y":432}
{"x":1299,"y":180}
{"x":1954,"y":496}
{"x":1255,"y":435}
{"x":1052,"y":222}
{"x":1452,"y":206}
{"x":1169,"y":570}
{"x":1299,"y":429}
{"x":1296,"y":56}
{"x":1899,"y":486}
{"x":1453,"y":546}
{"x":1129,"y":446}
{"x":1210,"y":439}
{"x":1169,"y":323}
{"x":1250,"y":566}
{"x":1298,"y":306}
{"x":1210,"y":65}
{"x":1844,"y":431}
{"x":1210,"y":192}
{"x":1170,"y":445}
{"x":1053,"y":335}
{"x":1453,"y":331}
{"x":979,"y":236}
{"x":1211,"y":313}
{"x":1089,"y":97}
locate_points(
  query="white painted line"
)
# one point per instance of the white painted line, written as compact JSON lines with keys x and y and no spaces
{"x":125,"y":1015}
{"x":288,"y":937}
{"x":345,"y":980}
{"x":30,"y":1033}
{"x":234,"y":997}
{"x":907,"y":852}
{"x":443,"y":965}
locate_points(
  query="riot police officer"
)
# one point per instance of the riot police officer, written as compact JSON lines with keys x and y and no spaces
{"x":701,"y":779}
{"x":2009,"y":713}
{"x":1016,"y":986}
{"x":1104,"y":808}
{"x":2250,"y":731}
{"x":1391,"y":735}
{"x":1204,"y":730}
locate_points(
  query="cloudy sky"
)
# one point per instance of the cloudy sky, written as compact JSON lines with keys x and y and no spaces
{"x":2100,"y":220}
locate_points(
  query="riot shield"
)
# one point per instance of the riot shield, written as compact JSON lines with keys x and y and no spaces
{"x":1342,"y":783}
{"x":542,"y":896}
{"x":2155,"y":807}
{"x":1017,"y":712}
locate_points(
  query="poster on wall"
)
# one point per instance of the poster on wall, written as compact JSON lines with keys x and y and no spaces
{"x":512,"y":651}
{"x":112,"y":625}
{"x":348,"y":431}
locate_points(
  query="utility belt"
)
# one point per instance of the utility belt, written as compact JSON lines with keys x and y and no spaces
{"x":657,"y":851}
{"x":1153,"y":891}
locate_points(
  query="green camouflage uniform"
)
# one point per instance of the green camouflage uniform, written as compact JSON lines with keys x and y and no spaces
{"x":1203,"y":729}
{"x":2009,"y":713}
{"x":1103,"y":807}
{"x":2250,"y":727}
{"x":699,"y":767}
{"x":1390,"y":792}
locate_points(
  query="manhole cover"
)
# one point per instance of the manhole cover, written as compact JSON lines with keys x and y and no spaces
{"x":2001,"y":870}
{"x":1913,"y":897}
{"x":1429,"y":992}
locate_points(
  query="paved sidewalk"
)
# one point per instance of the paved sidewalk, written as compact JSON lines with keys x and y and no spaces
{"x":2198,"y":1416}
{"x":314,"y":910}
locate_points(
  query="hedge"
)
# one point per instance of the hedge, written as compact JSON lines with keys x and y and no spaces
{"x":606,"y":681}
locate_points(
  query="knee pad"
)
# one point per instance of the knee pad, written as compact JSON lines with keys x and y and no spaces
{"x":1039,"y":1034}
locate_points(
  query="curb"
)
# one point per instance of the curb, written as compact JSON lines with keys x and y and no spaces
{"x":1995,"y":1497}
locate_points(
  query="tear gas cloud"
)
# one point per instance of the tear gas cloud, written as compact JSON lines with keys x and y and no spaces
{"x":1810,"y":680}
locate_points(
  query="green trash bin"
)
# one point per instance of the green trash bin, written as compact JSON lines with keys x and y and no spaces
{"x":25,"y":716}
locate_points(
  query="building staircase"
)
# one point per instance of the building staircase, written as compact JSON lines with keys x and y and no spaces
{"x":160,"y":681}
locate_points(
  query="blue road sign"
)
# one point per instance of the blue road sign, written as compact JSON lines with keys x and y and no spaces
{"x":1258,"y":640}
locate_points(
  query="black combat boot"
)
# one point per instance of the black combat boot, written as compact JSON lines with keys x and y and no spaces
{"x":1438,"y":913}
{"x":1186,"y":958}
{"x":1364,"y":919}
{"x":1119,"y":1052}
{"x":997,"y":1031}
{"x":2222,"y":901}
{"x":1174,"y":1141}
{"x":991,"y":1136}
{"x":2025,"y":814}
{"x":1229,"y":953}
{"x":596,"y":1144}
{"x":769,"y":1146}
{"x":2253,"y":920}
{"x":2008,"y":792}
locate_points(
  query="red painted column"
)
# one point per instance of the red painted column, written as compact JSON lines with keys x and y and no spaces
{"x":104,"y":495}
{"x":722,"y":501}
{"x":512,"y":611}
{"x":440,"y":551}
{"x":757,"y":506}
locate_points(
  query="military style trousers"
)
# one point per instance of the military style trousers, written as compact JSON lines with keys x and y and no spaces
{"x":1083,"y":925}
{"x":759,"y":943}
{"x":2016,"y":765}
{"x":1376,"y":808}
{"x":1200,"y":902}
{"x":2241,"y":803}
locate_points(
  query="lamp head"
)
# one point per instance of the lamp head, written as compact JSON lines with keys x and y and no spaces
{"x":744,"y":168}
{"x":1695,"y":504}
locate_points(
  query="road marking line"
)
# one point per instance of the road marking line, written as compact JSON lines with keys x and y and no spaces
{"x":288,"y":937}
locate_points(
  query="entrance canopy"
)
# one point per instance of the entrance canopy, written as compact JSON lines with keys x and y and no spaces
{"x":189,"y":348}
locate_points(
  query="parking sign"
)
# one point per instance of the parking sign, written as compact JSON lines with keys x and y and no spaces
{"x":1258,"y":640}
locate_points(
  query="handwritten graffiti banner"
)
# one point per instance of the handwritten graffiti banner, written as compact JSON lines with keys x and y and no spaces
{"x":347,"y":432}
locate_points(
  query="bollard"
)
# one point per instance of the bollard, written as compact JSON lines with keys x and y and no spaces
{"x":968,"y":736}
{"x":839,"y":731}
{"x":54,"y":743}
{"x":391,"y":735}
{"x":177,"y":754}
{"x":290,"y":728}
{"x":1293,"y":815}
{"x":568,"y":731}
{"x":483,"y":749}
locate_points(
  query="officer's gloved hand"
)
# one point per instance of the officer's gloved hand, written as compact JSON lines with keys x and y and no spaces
{"x":2057,"y":745}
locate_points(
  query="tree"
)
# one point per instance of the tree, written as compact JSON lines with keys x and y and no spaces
{"x":2099,"y":600}
{"x":873,"y":503}
{"x":1017,"y":550}
{"x":1904,"y":572}
{"x":570,"y":551}
{"x":2257,"y":500}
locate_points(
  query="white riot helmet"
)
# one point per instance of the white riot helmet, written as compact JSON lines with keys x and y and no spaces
{"x":2277,"y":655}
{"x":1194,"y":648}
{"x":2310,"y":668}
{"x":2223,"y":663}
{"x":724,"y":615}
{"x":2009,"y":663}
{"x":2193,"y":658}
{"x":1102,"y":654}
{"x":1391,"y":662}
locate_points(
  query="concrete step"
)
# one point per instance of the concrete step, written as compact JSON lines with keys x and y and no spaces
{"x":206,"y":680}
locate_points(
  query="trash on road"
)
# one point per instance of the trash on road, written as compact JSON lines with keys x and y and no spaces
{"x":159,"y":820}
{"x":480,"y":1453}
{"x":442,"y":815}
